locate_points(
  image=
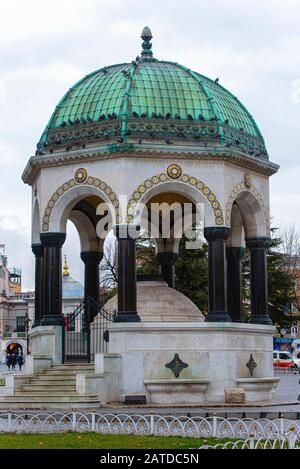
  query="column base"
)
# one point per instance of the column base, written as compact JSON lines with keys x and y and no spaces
{"x":53,"y":321}
{"x":127,"y":316}
{"x":260,"y":319}
{"x":216,"y":316}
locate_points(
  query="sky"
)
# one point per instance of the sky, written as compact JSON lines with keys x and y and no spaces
{"x":45,"y":47}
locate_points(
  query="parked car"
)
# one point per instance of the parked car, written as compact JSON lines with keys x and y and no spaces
{"x":283,"y":360}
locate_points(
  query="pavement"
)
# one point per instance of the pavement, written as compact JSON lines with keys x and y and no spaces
{"x":285,"y":403}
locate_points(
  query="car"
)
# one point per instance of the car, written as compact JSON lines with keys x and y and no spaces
{"x":283,"y":360}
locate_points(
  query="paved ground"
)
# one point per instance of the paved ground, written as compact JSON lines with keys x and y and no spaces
{"x":287,"y":394}
{"x":4,"y":369}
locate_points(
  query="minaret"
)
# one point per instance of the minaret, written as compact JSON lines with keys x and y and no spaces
{"x":66,"y":271}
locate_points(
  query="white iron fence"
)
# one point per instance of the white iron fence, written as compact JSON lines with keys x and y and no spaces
{"x":289,"y":440}
{"x":148,"y":424}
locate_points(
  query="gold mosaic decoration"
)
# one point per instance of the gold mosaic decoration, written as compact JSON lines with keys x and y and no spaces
{"x":185,"y":179}
{"x":241,"y":186}
{"x":80,"y":175}
{"x":90,"y":181}
{"x":174,"y":171}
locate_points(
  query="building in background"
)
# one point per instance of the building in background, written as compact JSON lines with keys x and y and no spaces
{"x":17,"y":307}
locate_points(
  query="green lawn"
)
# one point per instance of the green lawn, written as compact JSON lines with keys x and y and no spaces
{"x":98,"y":441}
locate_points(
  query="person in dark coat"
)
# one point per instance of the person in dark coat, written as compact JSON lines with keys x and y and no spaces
{"x":20,"y":361}
{"x":13,"y":361}
{"x":8,"y":361}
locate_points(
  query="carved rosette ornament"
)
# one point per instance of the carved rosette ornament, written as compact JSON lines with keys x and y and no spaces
{"x":80,"y":176}
{"x":174,"y":171}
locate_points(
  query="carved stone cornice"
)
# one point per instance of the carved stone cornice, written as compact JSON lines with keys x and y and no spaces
{"x":155,"y":150}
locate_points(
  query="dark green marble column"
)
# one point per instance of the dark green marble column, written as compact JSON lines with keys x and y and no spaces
{"x":259,"y":280}
{"x":217,"y":287}
{"x":91,"y":260}
{"x":127,"y":303}
{"x":167,"y":267}
{"x":234,"y":257}
{"x":38,"y":251}
{"x":52,"y":281}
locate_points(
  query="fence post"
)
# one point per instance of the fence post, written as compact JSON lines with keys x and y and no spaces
{"x":251,"y":441}
{"x":281,"y":424}
{"x":152,"y":424}
{"x":215,"y":423}
{"x":93,"y":420}
{"x":9,"y":422}
{"x":73,"y":420}
{"x":291,"y":438}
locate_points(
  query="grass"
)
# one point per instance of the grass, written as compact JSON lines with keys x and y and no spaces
{"x":99,"y":441}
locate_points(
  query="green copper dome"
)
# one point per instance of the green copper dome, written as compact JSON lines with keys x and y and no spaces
{"x":151,"y":99}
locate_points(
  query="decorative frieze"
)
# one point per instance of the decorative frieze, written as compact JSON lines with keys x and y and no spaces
{"x":80,"y":178}
{"x":163,"y":177}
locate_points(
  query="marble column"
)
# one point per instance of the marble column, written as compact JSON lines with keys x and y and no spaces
{"x":217,"y":286}
{"x":52,"y":279}
{"x":127,"y":302}
{"x":234,"y":257}
{"x":38,"y":251}
{"x":167,"y":267}
{"x":259,"y":280}
{"x":91,"y":260}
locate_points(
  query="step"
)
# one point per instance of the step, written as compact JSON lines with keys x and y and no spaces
{"x":53,"y":398}
{"x":63,"y":373}
{"x":54,"y":378}
{"x":38,"y":387}
{"x":70,"y":364}
{"x":52,"y":393}
{"x":71,"y":367}
{"x":50,"y":382}
{"x":45,"y":404}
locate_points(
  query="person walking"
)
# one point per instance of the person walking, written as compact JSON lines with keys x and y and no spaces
{"x":8,"y":361}
{"x":13,"y":361}
{"x":20,"y":361}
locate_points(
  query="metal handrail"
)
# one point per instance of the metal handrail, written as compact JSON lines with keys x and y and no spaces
{"x":76,"y":312}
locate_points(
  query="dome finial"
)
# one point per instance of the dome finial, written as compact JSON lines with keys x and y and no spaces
{"x":66,"y":271}
{"x":147,"y":46}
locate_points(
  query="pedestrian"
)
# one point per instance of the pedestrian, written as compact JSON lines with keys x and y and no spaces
{"x":13,"y":361}
{"x":20,"y":361}
{"x":8,"y":361}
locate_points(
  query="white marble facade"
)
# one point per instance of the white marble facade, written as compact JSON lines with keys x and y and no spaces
{"x":216,"y":355}
{"x":123,"y":176}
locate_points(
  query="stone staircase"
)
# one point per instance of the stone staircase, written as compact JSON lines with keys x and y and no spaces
{"x":53,"y":388}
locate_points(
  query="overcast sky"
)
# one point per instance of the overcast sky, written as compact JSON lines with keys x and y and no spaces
{"x":45,"y":47}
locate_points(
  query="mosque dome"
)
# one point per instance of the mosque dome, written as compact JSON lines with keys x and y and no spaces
{"x":150,"y":100}
{"x":71,"y":288}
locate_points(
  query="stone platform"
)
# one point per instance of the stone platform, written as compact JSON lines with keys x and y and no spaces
{"x":194,"y":362}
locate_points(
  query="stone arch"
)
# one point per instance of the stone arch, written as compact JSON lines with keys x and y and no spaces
{"x":253,"y":211}
{"x":86,"y":231}
{"x":186,"y":180}
{"x":237,"y":231}
{"x":70,"y":190}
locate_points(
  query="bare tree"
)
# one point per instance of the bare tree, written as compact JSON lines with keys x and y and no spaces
{"x":290,"y":246}
{"x":109,"y":265}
